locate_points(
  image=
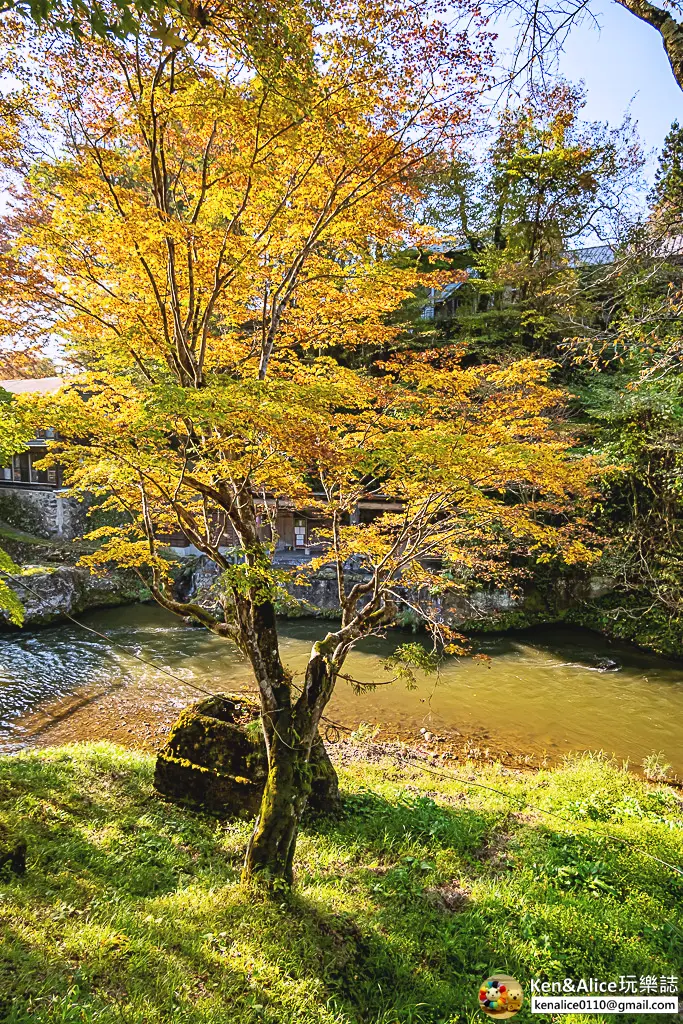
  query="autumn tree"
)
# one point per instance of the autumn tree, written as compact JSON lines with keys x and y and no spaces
{"x":117,"y":17}
{"x":206,"y":235}
{"x":121,"y":18}
{"x":554,"y":177}
{"x":14,"y":434}
{"x":548,"y":181}
{"x":628,"y":363}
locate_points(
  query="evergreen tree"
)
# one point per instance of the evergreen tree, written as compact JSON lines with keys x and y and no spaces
{"x":667,"y":195}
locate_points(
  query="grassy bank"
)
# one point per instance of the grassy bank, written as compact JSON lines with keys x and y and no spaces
{"x":130,"y":909}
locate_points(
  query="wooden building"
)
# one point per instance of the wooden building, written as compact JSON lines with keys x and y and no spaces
{"x":22,"y":471}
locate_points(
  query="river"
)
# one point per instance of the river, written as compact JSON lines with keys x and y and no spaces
{"x":541,"y":691}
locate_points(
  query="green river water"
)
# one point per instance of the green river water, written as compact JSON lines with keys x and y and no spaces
{"x":541,"y":690}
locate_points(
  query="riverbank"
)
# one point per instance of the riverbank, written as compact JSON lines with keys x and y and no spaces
{"x":52,"y":586}
{"x":534,"y":696}
{"x":58,"y":587}
{"x":130,"y":909}
{"x":115,"y":713}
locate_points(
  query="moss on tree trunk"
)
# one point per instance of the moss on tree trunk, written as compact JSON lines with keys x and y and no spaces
{"x":297,"y":764}
{"x":270,"y":853}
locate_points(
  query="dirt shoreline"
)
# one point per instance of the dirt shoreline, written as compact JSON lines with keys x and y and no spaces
{"x":115,"y":714}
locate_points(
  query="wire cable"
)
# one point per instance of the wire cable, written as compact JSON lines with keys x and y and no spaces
{"x":414,"y":760}
{"x":553,"y":814}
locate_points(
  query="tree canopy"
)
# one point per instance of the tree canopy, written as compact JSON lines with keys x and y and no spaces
{"x":214,"y":241}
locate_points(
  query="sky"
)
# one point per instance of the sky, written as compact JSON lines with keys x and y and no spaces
{"x":624,"y":68}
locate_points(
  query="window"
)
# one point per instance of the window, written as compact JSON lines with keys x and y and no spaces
{"x":38,"y":476}
{"x":22,"y":471}
{"x":299,"y":533}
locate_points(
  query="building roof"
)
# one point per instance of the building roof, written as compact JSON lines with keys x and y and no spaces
{"x":448,"y":290}
{"x":36,"y":385}
{"x":591,"y":256}
{"x":452,"y":286}
{"x":448,"y":249}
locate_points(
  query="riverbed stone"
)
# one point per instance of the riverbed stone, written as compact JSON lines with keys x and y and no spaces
{"x":215,"y":760}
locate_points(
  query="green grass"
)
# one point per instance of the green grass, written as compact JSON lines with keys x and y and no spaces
{"x":131,"y":912}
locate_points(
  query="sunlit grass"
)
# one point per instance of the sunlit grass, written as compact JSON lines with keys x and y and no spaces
{"x":131,"y":910}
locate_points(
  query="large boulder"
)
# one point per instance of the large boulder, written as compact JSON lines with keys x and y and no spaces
{"x":215,"y":760}
{"x":51,"y":592}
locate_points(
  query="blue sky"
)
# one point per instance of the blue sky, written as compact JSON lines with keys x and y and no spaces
{"x":624,"y":67}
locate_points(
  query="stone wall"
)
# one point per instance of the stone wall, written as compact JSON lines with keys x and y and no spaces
{"x":44,"y":513}
{"x":479,"y":610}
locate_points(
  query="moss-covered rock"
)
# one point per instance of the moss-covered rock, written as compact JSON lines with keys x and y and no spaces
{"x":50,"y":593}
{"x":215,"y":760}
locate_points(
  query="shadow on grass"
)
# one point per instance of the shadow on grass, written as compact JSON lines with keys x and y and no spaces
{"x":384,"y":826}
{"x":134,"y":905}
{"x":131,"y":909}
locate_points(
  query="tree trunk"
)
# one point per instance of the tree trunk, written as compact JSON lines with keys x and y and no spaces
{"x":297,"y":761}
{"x":324,"y":796}
{"x":270,"y":853}
{"x":670,"y":30}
